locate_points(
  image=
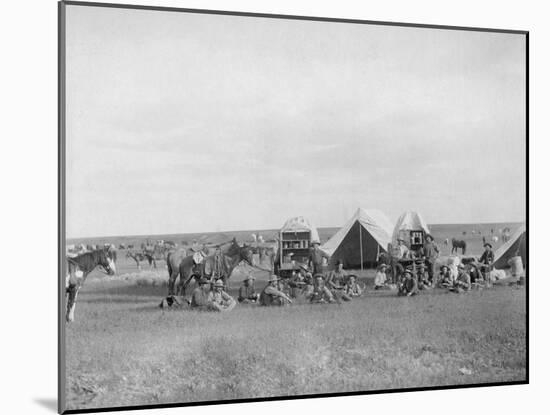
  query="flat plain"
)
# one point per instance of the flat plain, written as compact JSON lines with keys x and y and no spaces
{"x":123,"y":349}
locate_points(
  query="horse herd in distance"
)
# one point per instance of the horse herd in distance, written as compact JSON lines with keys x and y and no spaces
{"x":153,"y":251}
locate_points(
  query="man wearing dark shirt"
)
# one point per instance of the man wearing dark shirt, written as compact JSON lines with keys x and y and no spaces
{"x":487,"y":258}
{"x":247,"y":292}
{"x":271,"y":295}
{"x":431,"y":251}
{"x":409,"y":286}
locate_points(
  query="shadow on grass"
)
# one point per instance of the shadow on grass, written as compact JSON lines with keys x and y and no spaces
{"x":115,"y":300}
{"x":48,"y":403}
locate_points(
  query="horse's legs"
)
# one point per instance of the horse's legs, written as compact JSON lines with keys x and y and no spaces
{"x":172,"y":277}
{"x":184,"y":281}
{"x":71,"y":302}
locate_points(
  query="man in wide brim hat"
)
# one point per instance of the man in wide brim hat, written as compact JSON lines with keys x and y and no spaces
{"x":409,"y":286}
{"x":316,"y":256}
{"x":247,"y":291}
{"x":220,"y":300}
{"x":487,"y":244}
{"x":271,"y":295}
{"x":201,"y":298}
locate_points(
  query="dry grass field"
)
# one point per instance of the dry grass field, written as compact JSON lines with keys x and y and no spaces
{"x":123,"y":350}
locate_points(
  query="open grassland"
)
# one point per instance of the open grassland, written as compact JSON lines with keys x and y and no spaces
{"x":123,"y":350}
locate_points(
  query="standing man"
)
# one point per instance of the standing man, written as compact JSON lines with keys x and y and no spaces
{"x":431,"y":251}
{"x":487,"y":259}
{"x":271,"y":295}
{"x":315,"y":260}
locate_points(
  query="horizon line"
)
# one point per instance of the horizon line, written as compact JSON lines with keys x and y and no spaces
{"x":146,"y":235}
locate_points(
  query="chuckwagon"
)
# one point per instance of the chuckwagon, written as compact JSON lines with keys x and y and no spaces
{"x":412,"y":230}
{"x":295,"y":239}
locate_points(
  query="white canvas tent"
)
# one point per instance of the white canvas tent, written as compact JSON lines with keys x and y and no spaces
{"x":516,"y":246}
{"x":361,"y":239}
{"x":407,"y":222}
{"x":301,"y":224}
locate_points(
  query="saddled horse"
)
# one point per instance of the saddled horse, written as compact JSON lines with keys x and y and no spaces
{"x":182,"y":265}
{"x":78,"y":269}
{"x":458,"y":243}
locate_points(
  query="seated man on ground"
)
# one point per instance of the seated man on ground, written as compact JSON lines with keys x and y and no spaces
{"x":221,"y":301}
{"x":423,"y":278}
{"x":462,"y":282}
{"x":444,"y":279}
{"x":337,"y":280}
{"x":380,"y":278}
{"x":201,"y":298}
{"x":247,"y":292}
{"x":409,"y":286}
{"x":352,"y":288}
{"x":320,"y":293}
{"x":272,"y":295}
{"x":297,"y":283}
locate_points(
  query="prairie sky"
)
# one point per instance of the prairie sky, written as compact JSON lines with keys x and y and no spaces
{"x":181,"y":122}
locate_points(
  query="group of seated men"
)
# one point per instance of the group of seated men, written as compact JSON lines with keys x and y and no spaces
{"x":338,"y":285}
{"x":318,"y":288}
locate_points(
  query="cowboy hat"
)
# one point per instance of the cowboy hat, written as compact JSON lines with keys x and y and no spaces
{"x":315,"y":242}
{"x":250,"y":277}
{"x":382,"y":266}
{"x":304,"y":267}
{"x":218,"y":283}
{"x":429,"y":236}
{"x":460,"y":266}
{"x":273,"y":278}
{"x":317,"y":276}
{"x":400,"y":239}
{"x":204,"y":280}
{"x":488,"y":244}
{"x":408,"y":271}
{"x":444,"y":266}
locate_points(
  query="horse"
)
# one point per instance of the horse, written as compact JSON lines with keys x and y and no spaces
{"x":457,"y":243}
{"x":78,"y":269}
{"x":140,"y":256}
{"x":182,"y":265}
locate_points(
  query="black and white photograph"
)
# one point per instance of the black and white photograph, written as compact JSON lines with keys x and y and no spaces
{"x":261,"y":206}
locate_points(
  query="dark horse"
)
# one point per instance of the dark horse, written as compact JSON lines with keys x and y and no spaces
{"x":141,"y":256}
{"x":182,"y":265}
{"x":457,"y":243}
{"x":78,"y":269}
